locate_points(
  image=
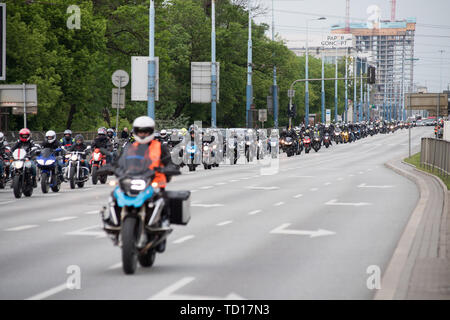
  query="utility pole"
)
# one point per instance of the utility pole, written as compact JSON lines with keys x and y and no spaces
{"x":354,"y":87}
{"x":323,"y":89}
{"x":361,"y":101}
{"x":274,"y":87}
{"x":440,"y":87}
{"x":151,"y":63}
{"x":336,"y":90}
{"x":346,"y":88}
{"x":249,"y":69}
{"x":213,"y":65}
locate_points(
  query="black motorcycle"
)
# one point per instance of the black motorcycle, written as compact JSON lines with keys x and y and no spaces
{"x":22,"y":172}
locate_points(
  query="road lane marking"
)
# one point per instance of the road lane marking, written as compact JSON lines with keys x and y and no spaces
{"x":192,"y":191}
{"x":254,"y":212}
{"x":263,"y":188}
{"x":183,"y":239}
{"x":314,"y":189}
{"x":351,"y":175}
{"x":204,"y":205}
{"x":357,"y":204}
{"x":62,"y":219}
{"x":327,"y":183}
{"x":220,"y":183}
{"x":363,"y":185}
{"x":6,"y":202}
{"x":86,"y":232}
{"x":20,"y":228}
{"x":115,"y":266}
{"x":340,"y":179}
{"x":279,"y":204}
{"x":224,"y":223}
{"x":93,"y":212}
{"x":298,"y":196}
{"x":312,"y":234}
{"x":49,"y":292}
{"x":206,"y":187}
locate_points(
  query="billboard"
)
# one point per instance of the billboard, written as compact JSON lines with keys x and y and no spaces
{"x":338,"y":41}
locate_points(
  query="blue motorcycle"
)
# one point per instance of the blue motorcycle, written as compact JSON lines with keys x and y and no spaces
{"x":48,"y":166}
{"x":192,"y":156}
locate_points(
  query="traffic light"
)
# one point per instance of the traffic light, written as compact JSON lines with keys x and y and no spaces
{"x":292,"y":112}
{"x":371,"y":75}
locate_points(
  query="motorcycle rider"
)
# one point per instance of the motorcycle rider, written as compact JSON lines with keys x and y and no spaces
{"x":67,"y":141}
{"x":163,"y":136}
{"x":104,"y":144}
{"x":51,"y":143}
{"x":144,"y":133}
{"x":26,"y":143}
{"x":81,"y":147}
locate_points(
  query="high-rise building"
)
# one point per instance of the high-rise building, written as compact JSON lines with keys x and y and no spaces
{"x":391,"y":45}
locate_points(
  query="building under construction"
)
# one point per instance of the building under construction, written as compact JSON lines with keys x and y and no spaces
{"x":391,"y":46}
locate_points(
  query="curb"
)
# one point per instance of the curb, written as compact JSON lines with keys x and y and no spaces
{"x":391,"y":278}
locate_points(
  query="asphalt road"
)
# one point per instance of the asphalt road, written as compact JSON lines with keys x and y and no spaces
{"x":308,"y":232}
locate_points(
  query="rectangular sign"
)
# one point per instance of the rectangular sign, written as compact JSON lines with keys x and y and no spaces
{"x":201,"y":82}
{"x":328,"y":116}
{"x":262,"y":114}
{"x":115,"y":98}
{"x":19,"y":110}
{"x":11,"y":95}
{"x":139,"y":78}
{"x":338,"y":41}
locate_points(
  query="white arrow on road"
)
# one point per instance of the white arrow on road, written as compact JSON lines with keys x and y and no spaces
{"x":357,"y":204}
{"x":168,"y":293}
{"x":363,"y":185}
{"x":312,"y":234}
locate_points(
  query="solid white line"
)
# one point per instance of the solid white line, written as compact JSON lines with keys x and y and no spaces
{"x":298,"y":196}
{"x":254,"y":212}
{"x":278,"y":204}
{"x":20,"y":228}
{"x":49,"y":292}
{"x":186,"y":238}
{"x":224,"y":223}
{"x":62,"y":219}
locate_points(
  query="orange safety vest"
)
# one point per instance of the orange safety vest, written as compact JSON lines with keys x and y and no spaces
{"x":154,"y":153}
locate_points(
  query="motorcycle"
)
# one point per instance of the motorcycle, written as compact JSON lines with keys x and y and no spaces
{"x":191,"y":156}
{"x":307,"y":143}
{"x":345,"y":136}
{"x":326,"y":140}
{"x":338,"y":136}
{"x":139,"y":213}
{"x":316,"y":142}
{"x":47,"y":165}
{"x":208,"y":155}
{"x":21,"y":172}
{"x":97,"y":161}
{"x":233,"y":152}
{"x":5,"y":157}
{"x":290,"y":146}
{"x":75,"y":173}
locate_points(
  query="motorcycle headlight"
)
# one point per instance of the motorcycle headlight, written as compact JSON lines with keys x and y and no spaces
{"x":74,"y":157}
{"x":206,"y":148}
{"x":18,"y":164}
{"x":41,"y":162}
{"x":28,"y":164}
{"x":96,"y":157}
{"x":49,"y":162}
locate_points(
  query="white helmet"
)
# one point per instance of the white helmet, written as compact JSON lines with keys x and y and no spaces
{"x":143,"y":124}
{"x":163,"y":133}
{"x":2,"y":137}
{"x":50,"y":136}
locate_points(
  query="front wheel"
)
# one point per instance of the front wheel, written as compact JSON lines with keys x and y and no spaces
{"x":44,"y":182}
{"x":17,"y":186}
{"x":72,"y":177}
{"x":94,"y":175}
{"x":129,"y":250}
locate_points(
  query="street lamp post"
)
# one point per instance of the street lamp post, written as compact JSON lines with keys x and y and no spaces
{"x":249,"y":90}
{"x":306,"y":72}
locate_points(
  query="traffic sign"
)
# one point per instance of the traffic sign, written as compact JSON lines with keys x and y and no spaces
{"x":120,"y":78}
{"x":291,"y":93}
{"x":262,"y":114}
{"x":115,"y":98}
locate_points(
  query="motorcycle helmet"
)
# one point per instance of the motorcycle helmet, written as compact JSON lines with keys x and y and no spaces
{"x":68,"y":134}
{"x":163,"y":133}
{"x":183,"y":131}
{"x":24,"y":135}
{"x":101,"y":131}
{"x":79,"y":139}
{"x":144,"y":124}
{"x":50,"y":136}
{"x":2,"y":137}
{"x":110,"y":133}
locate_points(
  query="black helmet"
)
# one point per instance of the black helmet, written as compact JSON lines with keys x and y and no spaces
{"x":79,"y":139}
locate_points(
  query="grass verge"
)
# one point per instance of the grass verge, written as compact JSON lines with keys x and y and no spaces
{"x":415,"y":161}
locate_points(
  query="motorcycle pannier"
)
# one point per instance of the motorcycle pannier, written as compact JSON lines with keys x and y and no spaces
{"x":179,"y":206}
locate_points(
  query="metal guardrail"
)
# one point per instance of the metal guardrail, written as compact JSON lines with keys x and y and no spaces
{"x":435,"y":154}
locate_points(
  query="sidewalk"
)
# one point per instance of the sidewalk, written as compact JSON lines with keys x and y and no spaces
{"x":420,"y":266}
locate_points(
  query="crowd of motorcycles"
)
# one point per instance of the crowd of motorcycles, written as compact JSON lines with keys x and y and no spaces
{"x":191,"y":148}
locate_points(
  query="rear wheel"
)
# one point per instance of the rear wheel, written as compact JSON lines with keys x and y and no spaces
{"x":129,"y":250}
{"x":147,"y":259}
{"x":44,"y":182}
{"x":80,"y":184}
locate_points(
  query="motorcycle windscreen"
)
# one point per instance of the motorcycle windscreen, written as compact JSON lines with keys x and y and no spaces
{"x":46,"y":153}
{"x":135,"y":160}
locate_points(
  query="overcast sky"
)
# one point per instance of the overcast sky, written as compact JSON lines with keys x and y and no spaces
{"x":432,"y":30}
